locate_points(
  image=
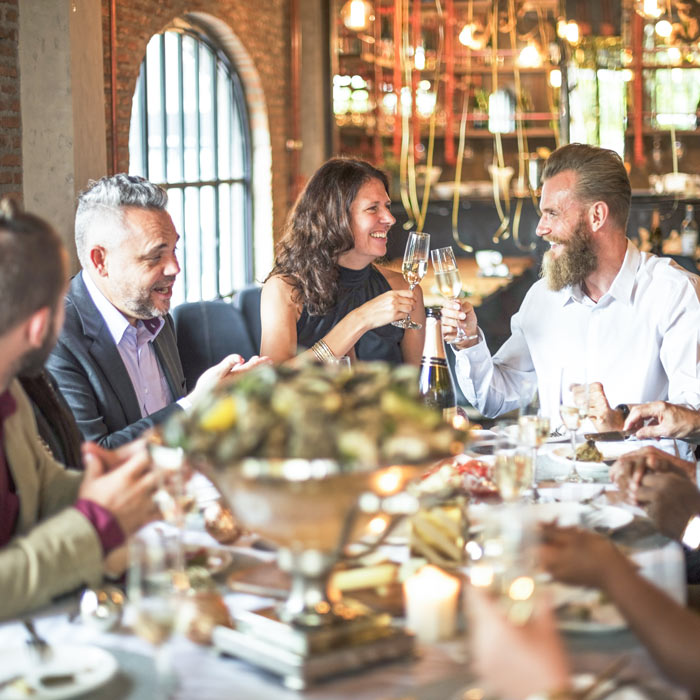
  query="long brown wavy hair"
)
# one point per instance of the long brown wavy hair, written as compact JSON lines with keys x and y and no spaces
{"x":318,"y":230}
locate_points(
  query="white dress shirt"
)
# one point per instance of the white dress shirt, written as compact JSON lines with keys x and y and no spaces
{"x":641,"y":341}
{"x":135,"y":347}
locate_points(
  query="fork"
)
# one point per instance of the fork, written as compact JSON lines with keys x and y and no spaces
{"x":40,"y":647}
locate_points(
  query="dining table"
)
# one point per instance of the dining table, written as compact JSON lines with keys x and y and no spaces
{"x":437,"y":671}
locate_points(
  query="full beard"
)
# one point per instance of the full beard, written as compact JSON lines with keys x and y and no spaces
{"x":573,"y":264}
{"x":140,"y":305}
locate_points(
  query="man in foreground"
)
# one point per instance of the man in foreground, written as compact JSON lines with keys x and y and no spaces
{"x":603,"y":312}
{"x":116,"y":361}
{"x":56,"y":525}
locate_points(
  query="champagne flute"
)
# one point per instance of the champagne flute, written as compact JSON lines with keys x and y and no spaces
{"x":448,"y":279}
{"x":573,"y":409}
{"x":415,"y":265}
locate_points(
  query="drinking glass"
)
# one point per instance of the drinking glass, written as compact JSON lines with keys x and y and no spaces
{"x":343,"y":362}
{"x":155,"y":586}
{"x":415,"y":265}
{"x":573,"y":409}
{"x":514,"y":464}
{"x":533,"y":431}
{"x":501,"y":556}
{"x":448,"y":278}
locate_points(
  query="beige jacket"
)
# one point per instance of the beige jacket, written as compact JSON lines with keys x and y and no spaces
{"x":55,"y":548}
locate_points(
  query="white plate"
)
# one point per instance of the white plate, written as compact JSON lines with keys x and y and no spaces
{"x":607,"y":690}
{"x":607,"y":518}
{"x":604,"y":618}
{"x":570,"y":491}
{"x":610,"y":451}
{"x":90,"y":666}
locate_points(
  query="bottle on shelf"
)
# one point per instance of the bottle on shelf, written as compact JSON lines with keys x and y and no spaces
{"x":656,"y":237}
{"x":435,"y":380}
{"x":689,"y":232}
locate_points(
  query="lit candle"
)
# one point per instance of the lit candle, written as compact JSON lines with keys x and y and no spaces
{"x":431,"y":604}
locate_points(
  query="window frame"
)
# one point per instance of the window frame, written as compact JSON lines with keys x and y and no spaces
{"x":220,"y":61}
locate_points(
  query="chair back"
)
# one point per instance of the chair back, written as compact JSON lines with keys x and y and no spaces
{"x":207,"y":331}
{"x":247,"y":301}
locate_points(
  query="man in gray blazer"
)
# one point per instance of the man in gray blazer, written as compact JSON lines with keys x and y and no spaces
{"x":116,"y":361}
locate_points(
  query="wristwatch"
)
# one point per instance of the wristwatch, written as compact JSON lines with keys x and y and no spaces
{"x":691,"y":535}
{"x":624,"y":409}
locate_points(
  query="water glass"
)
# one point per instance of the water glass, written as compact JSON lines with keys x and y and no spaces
{"x":501,"y":556}
{"x":513,"y":470}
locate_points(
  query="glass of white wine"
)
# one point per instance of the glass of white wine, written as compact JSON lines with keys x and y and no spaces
{"x":573,"y":410}
{"x":415,"y":265}
{"x":448,"y":279}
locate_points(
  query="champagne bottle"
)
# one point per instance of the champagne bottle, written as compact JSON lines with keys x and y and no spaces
{"x":689,"y":232}
{"x":435,"y":381}
{"x":656,"y":237}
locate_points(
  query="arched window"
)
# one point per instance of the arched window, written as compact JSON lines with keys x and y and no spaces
{"x":189,"y":132}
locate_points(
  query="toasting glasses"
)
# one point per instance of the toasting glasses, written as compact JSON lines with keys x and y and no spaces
{"x":415,"y":265}
{"x":448,"y":279}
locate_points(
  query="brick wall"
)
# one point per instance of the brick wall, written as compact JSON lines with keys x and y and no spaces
{"x":10,"y":123}
{"x":263,"y":29}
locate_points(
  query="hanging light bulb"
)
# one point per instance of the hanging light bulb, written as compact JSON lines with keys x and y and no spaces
{"x":356,"y":14}
{"x":530,"y":56}
{"x":561,"y":28}
{"x":572,"y":32}
{"x":472,"y":36}
{"x":649,"y":9}
{"x":674,"y":54}
{"x":555,"y":78}
{"x":664,"y":28}
{"x":419,"y":58}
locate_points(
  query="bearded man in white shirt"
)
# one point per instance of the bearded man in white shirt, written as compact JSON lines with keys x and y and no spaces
{"x":603,"y":312}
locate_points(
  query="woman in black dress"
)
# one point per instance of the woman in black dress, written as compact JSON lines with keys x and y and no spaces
{"x":325,"y":294}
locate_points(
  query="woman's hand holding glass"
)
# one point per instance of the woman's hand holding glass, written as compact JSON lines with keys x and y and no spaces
{"x":386,"y":308}
{"x":415,"y":265}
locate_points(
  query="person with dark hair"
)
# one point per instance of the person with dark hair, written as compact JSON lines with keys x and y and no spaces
{"x":54,"y":420}
{"x":116,"y":361}
{"x":56,"y":524}
{"x":325,"y":292}
{"x":628,"y":320}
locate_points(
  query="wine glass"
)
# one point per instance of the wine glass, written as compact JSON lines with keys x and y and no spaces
{"x":415,"y":265}
{"x":448,"y":279}
{"x":573,"y":409}
{"x":155,"y":586}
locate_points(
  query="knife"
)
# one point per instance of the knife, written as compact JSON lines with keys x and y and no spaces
{"x":610,"y":436}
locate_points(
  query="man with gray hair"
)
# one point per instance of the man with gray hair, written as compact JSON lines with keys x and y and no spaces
{"x":604,"y":314}
{"x":116,"y":361}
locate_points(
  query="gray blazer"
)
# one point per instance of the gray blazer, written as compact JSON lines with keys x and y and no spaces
{"x":93,"y":379}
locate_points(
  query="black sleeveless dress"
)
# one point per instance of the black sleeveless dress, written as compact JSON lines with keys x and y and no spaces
{"x":355,"y":287}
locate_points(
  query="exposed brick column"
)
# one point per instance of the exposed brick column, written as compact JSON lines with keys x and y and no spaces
{"x":10,"y":121}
